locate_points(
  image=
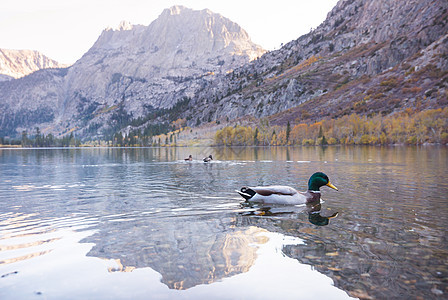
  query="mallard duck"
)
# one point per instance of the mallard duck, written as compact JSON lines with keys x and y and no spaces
{"x":278,"y":194}
{"x":208,"y":158}
{"x":189,"y":158}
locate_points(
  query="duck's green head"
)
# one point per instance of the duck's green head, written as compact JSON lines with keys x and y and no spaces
{"x":317,"y":180}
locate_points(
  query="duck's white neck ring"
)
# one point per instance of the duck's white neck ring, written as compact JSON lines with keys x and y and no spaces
{"x":315,"y":191}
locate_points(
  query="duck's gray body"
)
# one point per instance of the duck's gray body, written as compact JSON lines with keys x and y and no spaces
{"x":278,"y":194}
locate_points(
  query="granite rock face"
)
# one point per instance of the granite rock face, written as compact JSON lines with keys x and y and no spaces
{"x":134,"y":68}
{"x":360,"y":47}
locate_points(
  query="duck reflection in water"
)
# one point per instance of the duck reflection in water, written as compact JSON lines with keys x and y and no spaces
{"x":315,"y":217}
{"x":313,"y":210}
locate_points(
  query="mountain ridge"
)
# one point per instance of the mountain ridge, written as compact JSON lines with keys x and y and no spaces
{"x":367,"y":57}
{"x":136,"y":68}
{"x":349,"y":47}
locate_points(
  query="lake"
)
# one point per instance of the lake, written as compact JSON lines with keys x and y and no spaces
{"x":142,"y":223}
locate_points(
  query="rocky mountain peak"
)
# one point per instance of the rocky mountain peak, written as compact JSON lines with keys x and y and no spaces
{"x":129,"y":72}
{"x":125,"y":25}
{"x":175,"y":10}
{"x":19,"y":63}
{"x":199,"y":31}
{"x":185,"y":31}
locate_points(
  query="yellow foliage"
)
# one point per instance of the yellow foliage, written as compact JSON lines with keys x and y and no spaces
{"x":407,"y":127}
{"x":179,"y":123}
{"x":234,"y":136}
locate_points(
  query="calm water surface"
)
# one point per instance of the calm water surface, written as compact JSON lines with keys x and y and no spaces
{"x":145,"y":224}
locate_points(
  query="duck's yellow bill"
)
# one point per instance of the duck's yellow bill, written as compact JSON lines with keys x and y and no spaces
{"x":332,"y":186}
{"x":333,"y":216}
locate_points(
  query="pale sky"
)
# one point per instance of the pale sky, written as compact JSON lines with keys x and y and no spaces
{"x":65,"y":29}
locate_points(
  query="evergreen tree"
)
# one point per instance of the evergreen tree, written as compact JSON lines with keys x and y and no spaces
{"x":25,"y":140}
{"x":38,"y":138}
{"x":71,"y":140}
{"x":288,"y":131}
{"x":50,"y":140}
{"x":321,"y":133}
{"x":324,"y":141}
{"x":132,"y":139}
{"x":256,"y":137}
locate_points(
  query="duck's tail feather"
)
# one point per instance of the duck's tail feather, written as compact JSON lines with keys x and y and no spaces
{"x":246,"y":193}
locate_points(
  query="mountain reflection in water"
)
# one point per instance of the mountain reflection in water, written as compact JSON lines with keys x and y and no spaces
{"x":186,"y":251}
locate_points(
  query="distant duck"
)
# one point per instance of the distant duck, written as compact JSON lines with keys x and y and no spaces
{"x":189,"y":158}
{"x":279,"y":194}
{"x":208,"y":158}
